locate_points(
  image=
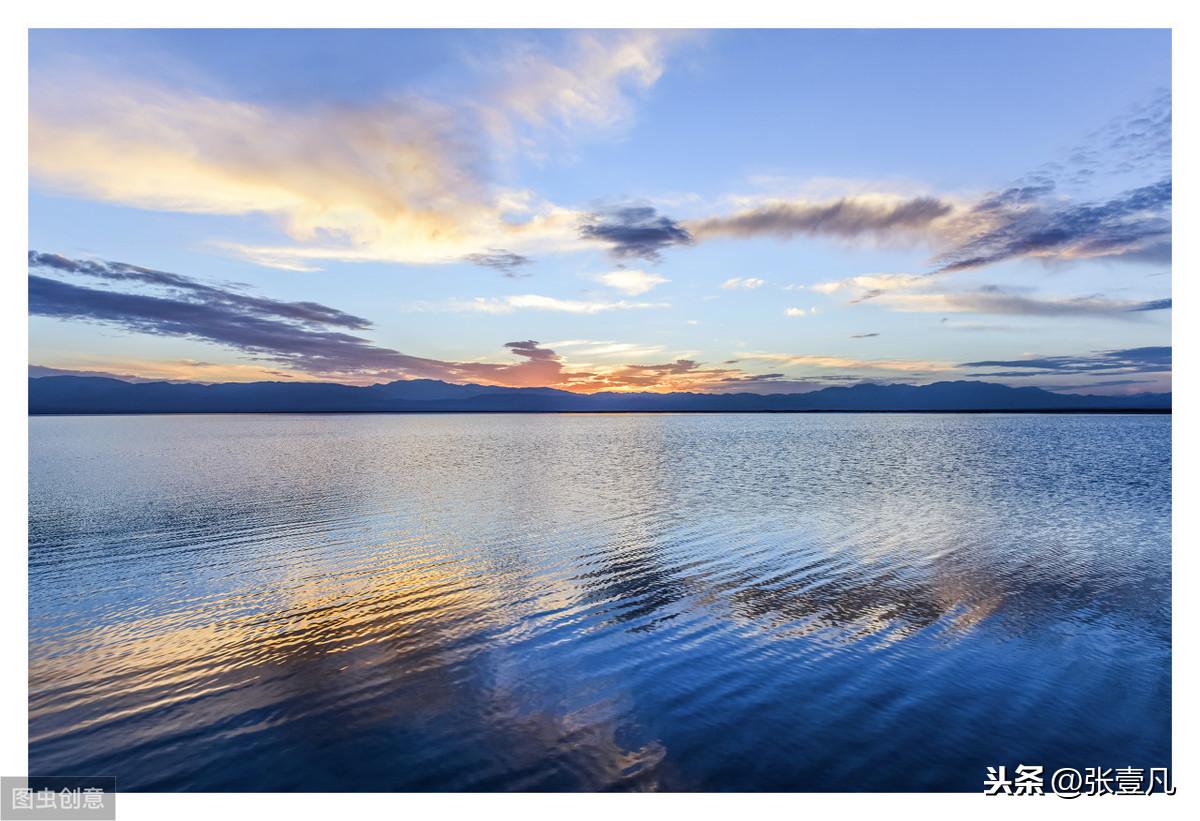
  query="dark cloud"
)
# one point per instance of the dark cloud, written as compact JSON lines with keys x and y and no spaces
{"x":303,"y":336}
{"x":1156,"y":359}
{"x":1135,"y":224}
{"x":863,"y":336}
{"x":297,"y":344}
{"x":1153,"y":305}
{"x":846,"y":218}
{"x":531,"y":350}
{"x":634,"y":231}
{"x":506,"y":262}
{"x":191,"y":289}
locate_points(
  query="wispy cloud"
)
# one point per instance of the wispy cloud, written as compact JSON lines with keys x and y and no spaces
{"x":997,"y":301}
{"x":1134,"y":224}
{"x":1135,"y":142}
{"x":506,"y":262}
{"x":295,"y":344}
{"x":631,"y":281}
{"x":227,"y":297}
{"x":401,"y":179}
{"x":743,"y":283}
{"x":875,"y":216}
{"x":588,"y":84}
{"x":679,"y":375}
{"x":538,"y":302}
{"x":303,"y":337}
{"x":1045,"y":215}
{"x":928,"y":293}
{"x":606,"y":348}
{"x":848,"y":363}
{"x":1027,"y":220}
{"x":1155,"y":359}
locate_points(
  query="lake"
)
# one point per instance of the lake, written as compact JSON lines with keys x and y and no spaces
{"x":822,"y":602}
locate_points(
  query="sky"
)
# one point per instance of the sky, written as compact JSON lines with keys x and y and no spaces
{"x":718,"y":211}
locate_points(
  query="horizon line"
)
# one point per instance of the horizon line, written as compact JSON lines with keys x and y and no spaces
{"x":130,"y":379}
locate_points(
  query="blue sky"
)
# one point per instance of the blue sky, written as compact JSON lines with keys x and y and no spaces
{"x":720,"y":210}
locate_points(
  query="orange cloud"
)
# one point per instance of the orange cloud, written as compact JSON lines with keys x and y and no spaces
{"x":397,"y":180}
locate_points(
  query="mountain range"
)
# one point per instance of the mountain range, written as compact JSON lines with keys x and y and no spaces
{"x":102,"y":395}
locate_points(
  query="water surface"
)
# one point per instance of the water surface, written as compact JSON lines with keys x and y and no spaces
{"x":594,"y":602}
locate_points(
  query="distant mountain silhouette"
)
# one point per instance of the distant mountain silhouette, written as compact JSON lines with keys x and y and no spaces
{"x":97,"y":395}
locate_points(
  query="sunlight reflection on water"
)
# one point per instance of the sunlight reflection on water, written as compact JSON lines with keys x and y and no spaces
{"x":732,"y":602}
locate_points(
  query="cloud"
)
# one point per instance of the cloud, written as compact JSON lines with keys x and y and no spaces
{"x":996,"y":301}
{"x":828,"y":287}
{"x":304,"y":337}
{"x":634,"y":231}
{"x":796,"y":312}
{"x":957,"y":325}
{"x":1040,"y":216}
{"x":743,"y":283}
{"x":506,"y":262}
{"x":403,"y":179}
{"x":848,"y":363}
{"x":606,"y":348}
{"x":1136,"y":142}
{"x":537,"y":302}
{"x":295,"y":344}
{"x":631,"y":281}
{"x":586,"y":85}
{"x":863,"y":336}
{"x":878,"y":215}
{"x":1156,"y":359}
{"x":1030,"y":219}
{"x":679,"y":375}
{"x":926,"y":293}
{"x":1134,"y":224}
{"x":869,"y":286}
{"x":1153,"y":305}
{"x":388,"y":176}
{"x":306,"y":312}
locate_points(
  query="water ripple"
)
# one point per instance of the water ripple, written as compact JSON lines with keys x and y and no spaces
{"x":741,"y":602}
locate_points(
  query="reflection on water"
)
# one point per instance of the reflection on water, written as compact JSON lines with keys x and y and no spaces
{"x":734,"y":602}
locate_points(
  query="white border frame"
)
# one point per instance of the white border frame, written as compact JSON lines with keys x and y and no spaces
{"x":614,"y":13}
